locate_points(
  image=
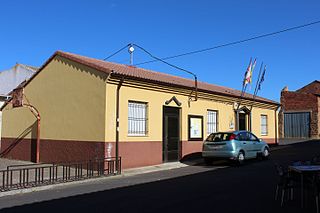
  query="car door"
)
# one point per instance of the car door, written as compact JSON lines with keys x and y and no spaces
{"x":251,"y":153}
{"x":244,"y":144}
{"x":256,"y":144}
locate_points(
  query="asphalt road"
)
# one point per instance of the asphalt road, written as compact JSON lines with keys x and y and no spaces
{"x":249,"y":188}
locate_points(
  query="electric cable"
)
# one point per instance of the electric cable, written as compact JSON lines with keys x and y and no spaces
{"x":233,"y":43}
{"x":116,"y":52}
{"x":159,"y":59}
{"x":174,"y":66}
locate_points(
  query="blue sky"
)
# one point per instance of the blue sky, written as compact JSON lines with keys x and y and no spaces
{"x":31,"y":31}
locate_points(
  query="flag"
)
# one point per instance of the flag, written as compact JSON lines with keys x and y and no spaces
{"x":248,"y":74}
{"x":262,"y":77}
{"x":253,"y":65}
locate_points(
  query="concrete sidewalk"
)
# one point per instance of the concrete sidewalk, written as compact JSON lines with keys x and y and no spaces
{"x":4,"y":163}
{"x":125,"y":173}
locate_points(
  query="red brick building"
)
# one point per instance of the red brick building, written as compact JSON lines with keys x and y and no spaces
{"x":299,"y":116}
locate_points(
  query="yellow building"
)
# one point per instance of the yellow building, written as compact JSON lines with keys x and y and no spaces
{"x":159,"y":120}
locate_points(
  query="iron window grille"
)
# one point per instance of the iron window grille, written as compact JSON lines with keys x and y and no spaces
{"x":212,"y":121}
{"x":264,"y":125}
{"x":137,"y":119}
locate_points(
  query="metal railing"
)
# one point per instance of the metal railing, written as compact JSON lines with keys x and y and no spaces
{"x":31,"y":175}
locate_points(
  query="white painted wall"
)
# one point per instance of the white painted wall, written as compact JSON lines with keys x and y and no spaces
{"x":11,"y":78}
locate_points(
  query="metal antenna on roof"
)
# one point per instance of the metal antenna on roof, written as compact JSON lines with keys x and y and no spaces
{"x":130,"y":50}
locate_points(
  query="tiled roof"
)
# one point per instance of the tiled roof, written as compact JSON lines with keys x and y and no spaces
{"x":157,"y":77}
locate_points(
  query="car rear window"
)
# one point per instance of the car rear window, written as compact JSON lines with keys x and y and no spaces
{"x":217,"y":137}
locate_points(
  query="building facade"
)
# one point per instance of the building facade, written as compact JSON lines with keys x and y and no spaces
{"x":88,"y":106}
{"x":299,"y":118}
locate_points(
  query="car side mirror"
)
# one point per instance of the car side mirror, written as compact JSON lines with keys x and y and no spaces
{"x":260,"y":139}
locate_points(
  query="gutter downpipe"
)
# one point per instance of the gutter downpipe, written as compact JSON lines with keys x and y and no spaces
{"x":118,"y":122}
{"x":250,"y":120}
{"x":38,"y":138}
{"x":237,"y":120}
{"x":36,"y":113}
{"x":276,"y":126}
{"x":196,"y":85}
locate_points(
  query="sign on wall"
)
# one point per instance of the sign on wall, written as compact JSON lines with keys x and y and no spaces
{"x":195,"y":127}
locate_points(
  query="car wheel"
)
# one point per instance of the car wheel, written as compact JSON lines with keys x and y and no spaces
{"x":240,"y":158}
{"x":266,"y":153}
{"x":208,"y":161}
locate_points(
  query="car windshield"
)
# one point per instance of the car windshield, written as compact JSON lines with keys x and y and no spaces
{"x":217,"y":137}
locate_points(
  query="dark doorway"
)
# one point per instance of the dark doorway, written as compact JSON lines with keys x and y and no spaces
{"x":171,"y":134}
{"x":242,"y":121}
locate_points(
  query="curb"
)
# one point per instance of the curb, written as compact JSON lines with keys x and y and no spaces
{"x":26,"y":190}
{"x":125,"y":173}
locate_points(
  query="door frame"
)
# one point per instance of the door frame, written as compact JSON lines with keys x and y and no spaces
{"x":247,"y":112}
{"x":165,"y":156}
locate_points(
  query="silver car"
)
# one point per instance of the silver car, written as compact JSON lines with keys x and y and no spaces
{"x":237,"y":146}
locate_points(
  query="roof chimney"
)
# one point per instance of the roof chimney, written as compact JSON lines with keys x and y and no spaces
{"x":285,"y":89}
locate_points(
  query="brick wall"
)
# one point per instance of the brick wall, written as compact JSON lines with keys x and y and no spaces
{"x":313,"y":88}
{"x":300,"y":102}
{"x":318,"y":117}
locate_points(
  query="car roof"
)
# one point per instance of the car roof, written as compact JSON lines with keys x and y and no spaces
{"x":234,"y":132}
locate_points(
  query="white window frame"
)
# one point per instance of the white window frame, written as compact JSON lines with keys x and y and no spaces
{"x":137,"y":118}
{"x":264,"y":125}
{"x":212,"y":125}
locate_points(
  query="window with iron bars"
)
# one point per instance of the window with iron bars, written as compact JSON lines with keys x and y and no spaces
{"x":212,"y":121}
{"x":137,"y":119}
{"x":264,"y":125}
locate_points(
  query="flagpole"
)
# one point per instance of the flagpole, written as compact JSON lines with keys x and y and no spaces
{"x":256,"y":88}
{"x":260,"y":81}
{"x":254,"y":96}
{"x":244,"y":85}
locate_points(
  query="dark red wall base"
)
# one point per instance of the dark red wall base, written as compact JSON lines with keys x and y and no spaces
{"x":133,"y":154}
{"x":52,"y":150}
{"x":270,"y":140}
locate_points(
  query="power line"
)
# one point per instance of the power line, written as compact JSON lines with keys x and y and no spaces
{"x":233,"y":43}
{"x":174,"y":66}
{"x":159,"y":59}
{"x":155,"y":58}
{"x":116,"y":52}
